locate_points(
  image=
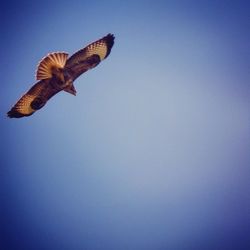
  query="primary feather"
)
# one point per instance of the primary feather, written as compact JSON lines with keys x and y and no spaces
{"x":56,"y":75}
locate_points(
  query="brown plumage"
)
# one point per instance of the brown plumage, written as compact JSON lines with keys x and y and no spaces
{"x":57,"y":72}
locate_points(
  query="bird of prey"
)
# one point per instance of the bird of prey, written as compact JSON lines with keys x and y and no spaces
{"x":57,"y":72}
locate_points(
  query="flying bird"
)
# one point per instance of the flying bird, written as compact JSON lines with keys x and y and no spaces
{"x":57,"y":72}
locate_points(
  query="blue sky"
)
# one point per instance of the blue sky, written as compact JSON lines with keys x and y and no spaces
{"x":153,"y":152}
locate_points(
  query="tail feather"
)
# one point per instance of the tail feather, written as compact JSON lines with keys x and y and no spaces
{"x":53,"y":60}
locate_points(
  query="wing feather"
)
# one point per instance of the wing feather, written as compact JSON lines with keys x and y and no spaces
{"x":34,"y":99}
{"x":89,"y":57}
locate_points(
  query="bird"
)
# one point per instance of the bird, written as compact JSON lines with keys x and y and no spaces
{"x":57,"y":72}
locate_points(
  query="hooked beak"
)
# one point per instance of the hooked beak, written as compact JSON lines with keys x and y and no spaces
{"x":71,"y":89}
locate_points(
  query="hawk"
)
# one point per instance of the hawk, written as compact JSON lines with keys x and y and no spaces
{"x":57,"y":72}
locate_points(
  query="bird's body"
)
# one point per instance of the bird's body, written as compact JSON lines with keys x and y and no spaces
{"x":57,"y":72}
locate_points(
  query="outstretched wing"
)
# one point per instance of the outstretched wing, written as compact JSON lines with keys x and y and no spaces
{"x":89,"y":57}
{"x":49,"y":85}
{"x":33,"y":100}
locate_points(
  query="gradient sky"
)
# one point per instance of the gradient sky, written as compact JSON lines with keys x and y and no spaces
{"x":153,"y":152}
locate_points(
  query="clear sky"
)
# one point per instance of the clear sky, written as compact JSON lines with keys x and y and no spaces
{"x":153,"y":152}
